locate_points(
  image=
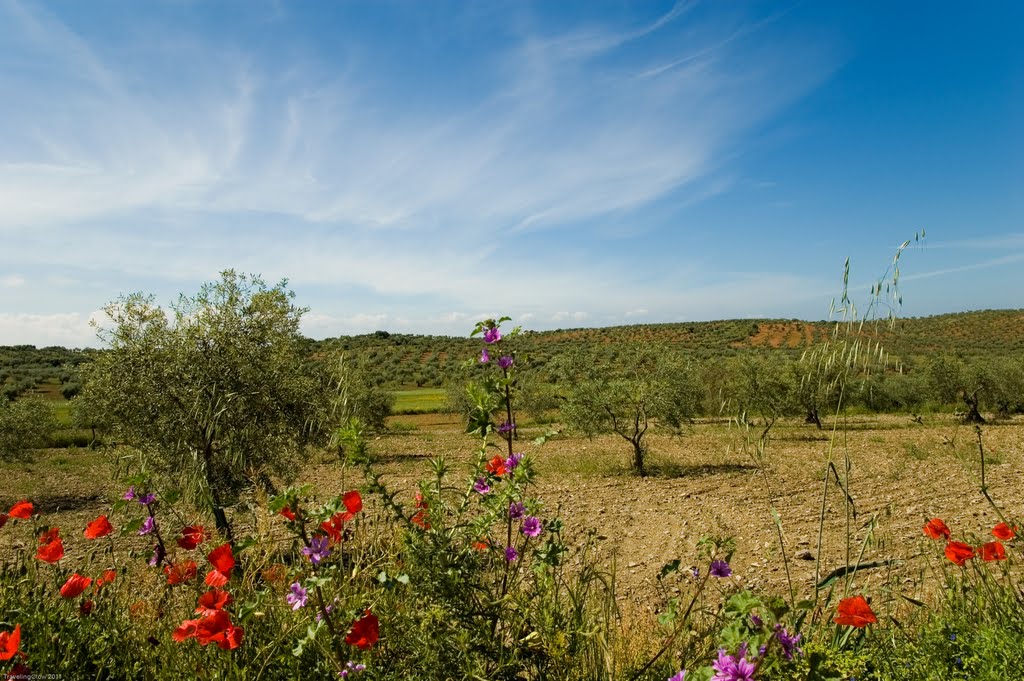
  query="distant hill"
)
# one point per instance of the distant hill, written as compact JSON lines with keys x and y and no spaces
{"x":406,"y":360}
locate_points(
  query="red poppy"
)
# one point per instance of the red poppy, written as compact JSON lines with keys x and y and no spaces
{"x":365,"y":631}
{"x":223,"y":562}
{"x":288,"y":513}
{"x":481,"y":545}
{"x":48,"y":536}
{"x":334,"y":527}
{"x":1004,"y":532}
{"x":51,"y":552}
{"x":216,"y":579}
{"x":108,"y":577}
{"x":191,"y":537}
{"x":100,"y":527}
{"x":212,"y":601}
{"x":181,"y":572}
{"x":992,"y":551}
{"x":214,"y":628}
{"x":855,"y":612}
{"x":936,"y":529}
{"x":959,"y":552}
{"x":22,"y":509}
{"x":496,"y":466}
{"x":3,"y":519}
{"x":353,"y":503}
{"x":75,"y":585}
{"x":420,"y":517}
{"x":9,"y":642}
{"x":184,"y":632}
{"x":85,"y":608}
{"x":232,"y":638}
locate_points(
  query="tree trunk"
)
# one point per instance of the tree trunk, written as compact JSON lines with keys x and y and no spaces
{"x":219,"y":517}
{"x":638,"y":457}
{"x":812,"y":417}
{"x":973,"y":415}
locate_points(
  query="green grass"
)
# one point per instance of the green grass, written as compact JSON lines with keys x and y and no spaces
{"x":420,"y":401}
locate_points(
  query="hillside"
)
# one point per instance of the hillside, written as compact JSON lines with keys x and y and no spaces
{"x":406,"y":360}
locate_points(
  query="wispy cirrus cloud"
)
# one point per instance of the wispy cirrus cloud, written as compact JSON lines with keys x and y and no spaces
{"x":323,"y":171}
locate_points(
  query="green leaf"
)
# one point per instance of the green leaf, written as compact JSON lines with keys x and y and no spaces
{"x":668,"y":568}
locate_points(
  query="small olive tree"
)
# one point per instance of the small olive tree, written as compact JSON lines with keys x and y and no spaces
{"x":216,"y":392}
{"x":645,"y":385}
{"x":25,"y":425}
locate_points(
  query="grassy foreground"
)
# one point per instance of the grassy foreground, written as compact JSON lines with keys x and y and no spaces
{"x":428,"y":563}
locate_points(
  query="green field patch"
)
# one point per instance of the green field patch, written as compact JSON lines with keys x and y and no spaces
{"x":420,"y":401}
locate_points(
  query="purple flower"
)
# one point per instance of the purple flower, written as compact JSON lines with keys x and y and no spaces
{"x":505,"y":361}
{"x":512,"y":462}
{"x":516,"y":510}
{"x":492,"y":335}
{"x":695,"y":572}
{"x":147,"y":499}
{"x":506,"y":427}
{"x":789,"y":642}
{"x":484,"y":357}
{"x":511,"y":555}
{"x":351,"y":669}
{"x":678,"y":676}
{"x":481,"y":486}
{"x":148,"y":525}
{"x":730,"y":668}
{"x":317,"y":550}
{"x":130,"y":494}
{"x":298,"y":596}
{"x":755,"y":621}
{"x":158,"y":556}
{"x":531,"y":526}
{"x":320,"y":615}
{"x":720,"y":569}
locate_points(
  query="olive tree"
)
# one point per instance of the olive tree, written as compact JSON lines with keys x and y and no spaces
{"x":25,"y":425}
{"x":214,"y":391}
{"x":645,"y":385}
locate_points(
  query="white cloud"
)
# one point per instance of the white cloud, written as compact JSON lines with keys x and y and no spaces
{"x":68,"y":329}
{"x":12,"y":281}
{"x":406,"y":205}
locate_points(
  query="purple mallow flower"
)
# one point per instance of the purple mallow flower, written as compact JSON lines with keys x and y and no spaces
{"x":147,"y":499}
{"x":328,"y":609}
{"x":492,"y":335}
{"x":148,"y":525}
{"x":506,"y":427}
{"x":505,"y":361}
{"x":516,"y":510}
{"x":789,"y":642}
{"x":481,"y":486}
{"x":484,"y":357}
{"x":733,"y":668}
{"x":158,"y":556}
{"x":351,"y":669}
{"x":678,"y":676}
{"x":531,"y":526}
{"x":720,"y":569}
{"x":317,"y":550}
{"x":513,"y":460}
{"x":298,"y":596}
{"x":511,"y":555}
{"x":130,"y":494}
{"x":755,"y":621}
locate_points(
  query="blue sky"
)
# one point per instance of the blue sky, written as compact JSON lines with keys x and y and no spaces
{"x":416,"y":166}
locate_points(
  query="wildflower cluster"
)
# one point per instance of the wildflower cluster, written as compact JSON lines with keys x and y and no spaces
{"x":960,"y":552}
